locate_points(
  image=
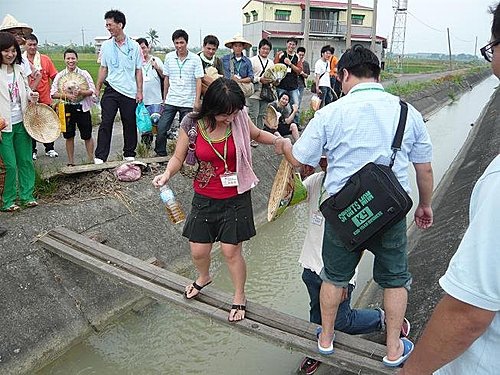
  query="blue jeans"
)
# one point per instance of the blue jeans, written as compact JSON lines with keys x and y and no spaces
{"x":294,"y":96}
{"x":326,"y":95}
{"x":351,"y":321}
{"x":165,"y":123}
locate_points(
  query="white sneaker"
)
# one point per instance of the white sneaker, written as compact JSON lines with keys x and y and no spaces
{"x":52,"y":154}
{"x":98,"y":161}
{"x":129,"y":158}
{"x":34,"y":156}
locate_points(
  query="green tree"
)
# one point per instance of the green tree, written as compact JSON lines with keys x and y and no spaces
{"x":153,"y":37}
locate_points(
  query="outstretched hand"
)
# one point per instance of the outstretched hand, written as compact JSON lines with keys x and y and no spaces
{"x":424,"y":217}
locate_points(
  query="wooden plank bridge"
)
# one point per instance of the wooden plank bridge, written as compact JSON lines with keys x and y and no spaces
{"x":352,"y":354}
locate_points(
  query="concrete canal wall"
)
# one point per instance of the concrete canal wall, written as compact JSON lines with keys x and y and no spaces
{"x":48,"y":304}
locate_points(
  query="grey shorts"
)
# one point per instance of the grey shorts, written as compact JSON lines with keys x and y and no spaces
{"x":226,"y":220}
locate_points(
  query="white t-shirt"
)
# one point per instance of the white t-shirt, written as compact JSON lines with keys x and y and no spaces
{"x":26,"y":67}
{"x":151,"y":82}
{"x":322,"y":68}
{"x":473,"y":275}
{"x":310,"y":256}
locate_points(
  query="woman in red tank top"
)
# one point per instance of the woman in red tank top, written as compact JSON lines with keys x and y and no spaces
{"x":222,"y":207}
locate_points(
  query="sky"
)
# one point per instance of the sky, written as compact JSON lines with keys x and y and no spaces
{"x":62,"y":21}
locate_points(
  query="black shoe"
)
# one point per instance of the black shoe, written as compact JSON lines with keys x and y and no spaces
{"x":309,"y":365}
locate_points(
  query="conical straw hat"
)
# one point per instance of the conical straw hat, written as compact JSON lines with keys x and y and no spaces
{"x":272,"y":117}
{"x":9,"y":22}
{"x":42,"y":123}
{"x":69,"y":82}
{"x":287,"y":190}
{"x":237,"y":39}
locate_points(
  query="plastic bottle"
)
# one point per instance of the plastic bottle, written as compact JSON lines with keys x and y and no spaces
{"x":174,"y":210}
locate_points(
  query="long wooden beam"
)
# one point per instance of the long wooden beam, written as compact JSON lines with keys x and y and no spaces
{"x":272,"y":325}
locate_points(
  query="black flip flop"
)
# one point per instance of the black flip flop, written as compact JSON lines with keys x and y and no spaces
{"x":237,"y":308}
{"x":197,"y":287}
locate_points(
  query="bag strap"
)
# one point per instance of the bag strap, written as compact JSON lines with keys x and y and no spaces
{"x":398,"y":137}
{"x":263,"y":67}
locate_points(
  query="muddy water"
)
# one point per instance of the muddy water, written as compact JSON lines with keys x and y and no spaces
{"x":164,"y":339}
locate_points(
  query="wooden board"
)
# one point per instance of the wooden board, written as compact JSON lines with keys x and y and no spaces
{"x":352,"y":353}
{"x":85,"y":168}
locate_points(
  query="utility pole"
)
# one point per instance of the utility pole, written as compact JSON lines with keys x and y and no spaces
{"x":449,"y":46}
{"x":83,"y":37}
{"x":349,"y":24}
{"x":475,"y":48}
{"x":307,"y":17}
{"x":374,"y":26}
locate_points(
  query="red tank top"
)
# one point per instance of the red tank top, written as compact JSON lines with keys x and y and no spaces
{"x":207,"y":181}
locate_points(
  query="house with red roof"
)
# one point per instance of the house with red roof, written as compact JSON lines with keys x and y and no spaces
{"x":278,"y":20}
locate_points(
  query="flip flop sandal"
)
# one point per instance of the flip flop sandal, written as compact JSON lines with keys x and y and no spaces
{"x":322,"y":350}
{"x":31,"y":204}
{"x":237,"y":308}
{"x":197,"y":287}
{"x":407,"y":349}
{"x":12,"y":208}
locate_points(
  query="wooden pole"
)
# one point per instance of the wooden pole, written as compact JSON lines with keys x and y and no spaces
{"x":349,"y":24}
{"x":374,"y":26}
{"x":307,"y":21}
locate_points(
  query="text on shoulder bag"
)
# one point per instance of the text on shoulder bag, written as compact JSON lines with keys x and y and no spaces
{"x":371,"y":201}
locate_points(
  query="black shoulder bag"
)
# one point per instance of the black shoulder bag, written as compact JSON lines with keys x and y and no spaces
{"x":371,"y":201}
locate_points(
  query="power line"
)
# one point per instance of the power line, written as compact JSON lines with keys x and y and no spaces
{"x":423,"y":23}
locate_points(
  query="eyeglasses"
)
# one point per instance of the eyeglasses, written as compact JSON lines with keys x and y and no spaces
{"x":487,"y":50}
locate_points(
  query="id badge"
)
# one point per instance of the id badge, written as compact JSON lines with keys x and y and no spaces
{"x":317,"y":218}
{"x":229,"y":179}
{"x":180,"y":81}
{"x":146,"y":78}
{"x":288,"y":70}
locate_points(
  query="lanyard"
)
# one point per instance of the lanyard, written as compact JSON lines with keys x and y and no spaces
{"x":237,"y":65}
{"x":128,"y":49}
{"x":209,"y":140}
{"x":367,"y":89}
{"x":11,"y":88}
{"x":180,"y":65}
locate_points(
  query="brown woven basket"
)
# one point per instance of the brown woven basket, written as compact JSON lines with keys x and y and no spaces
{"x":281,"y":191}
{"x":41,"y":123}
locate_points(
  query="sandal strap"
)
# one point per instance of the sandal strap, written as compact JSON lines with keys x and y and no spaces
{"x":238,"y":307}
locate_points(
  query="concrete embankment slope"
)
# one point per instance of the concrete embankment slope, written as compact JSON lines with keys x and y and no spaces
{"x":432,"y":249}
{"x":47,"y":304}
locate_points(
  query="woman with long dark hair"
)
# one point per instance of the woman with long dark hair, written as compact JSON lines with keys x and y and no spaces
{"x":222,"y":206}
{"x":15,"y":143}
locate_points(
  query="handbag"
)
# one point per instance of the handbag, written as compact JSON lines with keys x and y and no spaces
{"x":246,"y":87}
{"x":190,"y":165}
{"x":267,"y":93}
{"x":371,"y":201}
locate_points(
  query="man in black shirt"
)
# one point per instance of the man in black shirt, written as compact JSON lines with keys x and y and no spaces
{"x":289,"y":83}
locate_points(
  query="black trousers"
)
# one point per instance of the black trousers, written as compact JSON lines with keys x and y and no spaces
{"x":111,"y":102}
{"x":48,"y":146}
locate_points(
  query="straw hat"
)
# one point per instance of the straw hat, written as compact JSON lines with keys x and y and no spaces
{"x":71,"y":82}
{"x":287,"y":191}
{"x":211,"y":74}
{"x":237,"y":39}
{"x":9,"y":22}
{"x":272,"y":117}
{"x":42,"y":123}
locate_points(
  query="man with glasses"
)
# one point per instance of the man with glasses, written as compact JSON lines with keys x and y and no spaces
{"x":121,"y":74}
{"x":463,"y":334}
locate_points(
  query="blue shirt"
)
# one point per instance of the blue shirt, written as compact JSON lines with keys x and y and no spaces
{"x":242,"y":68}
{"x":122,"y":62}
{"x":182,"y":76}
{"x":359,"y":128}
